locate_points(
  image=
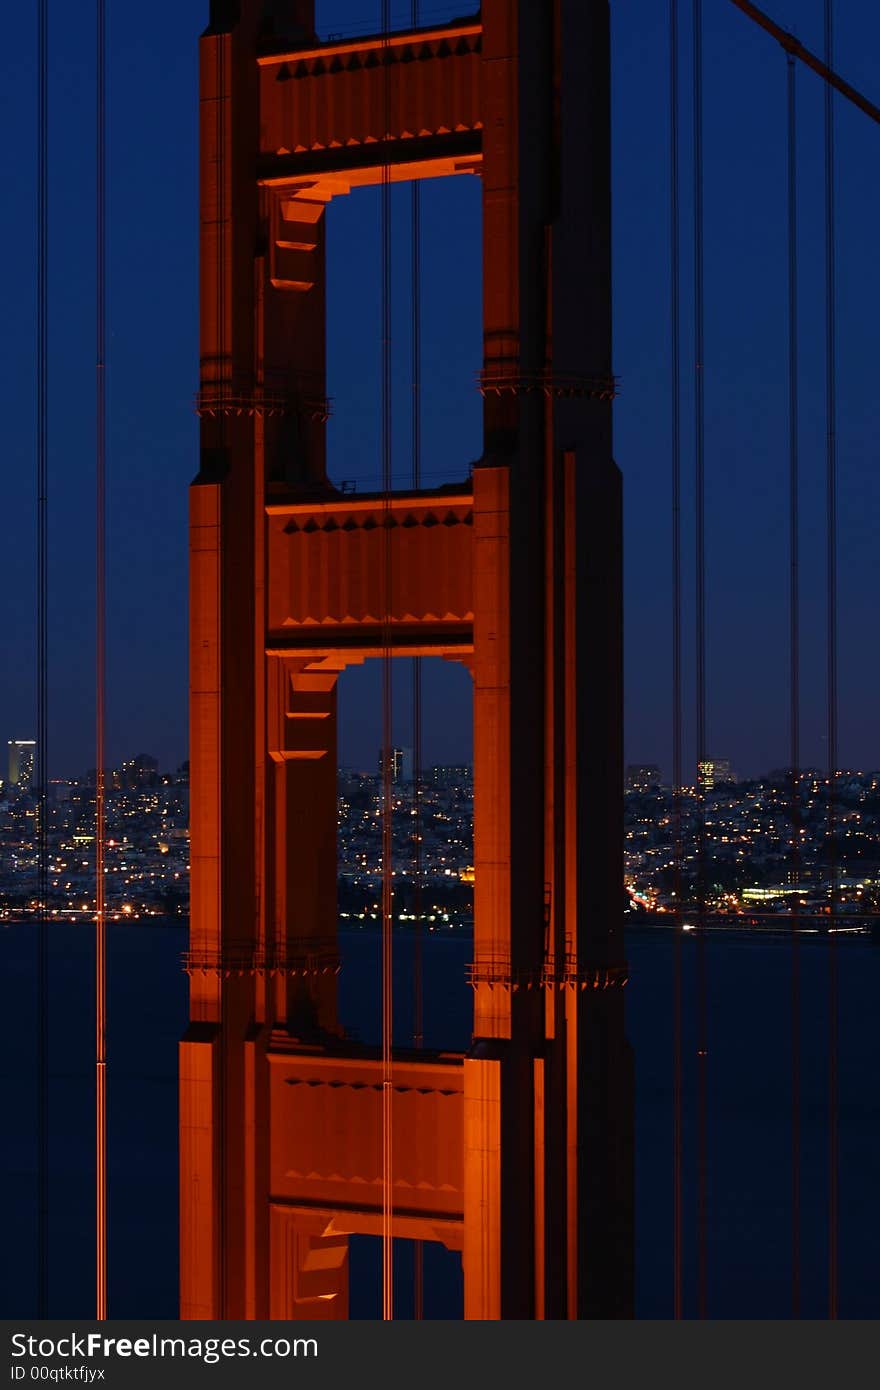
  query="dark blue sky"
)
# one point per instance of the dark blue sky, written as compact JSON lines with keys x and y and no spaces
{"x":154,"y":360}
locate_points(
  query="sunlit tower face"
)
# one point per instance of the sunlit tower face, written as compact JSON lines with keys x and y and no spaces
{"x":515,"y":572}
{"x":22,"y":753}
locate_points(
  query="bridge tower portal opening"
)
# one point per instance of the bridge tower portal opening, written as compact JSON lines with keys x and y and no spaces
{"x":518,"y":1153}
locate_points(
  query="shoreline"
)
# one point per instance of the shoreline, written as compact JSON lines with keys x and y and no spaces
{"x":777,"y":929}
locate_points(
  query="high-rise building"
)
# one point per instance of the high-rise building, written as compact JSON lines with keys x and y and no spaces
{"x":712,"y":772}
{"x":142,"y":771}
{"x":641,"y":777}
{"x":401,"y":764}
{"x":22,"y":753}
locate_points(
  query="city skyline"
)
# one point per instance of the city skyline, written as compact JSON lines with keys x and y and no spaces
{"x":749,"y":864}
{"x":402,"y":770}
{"x":152,"y":455}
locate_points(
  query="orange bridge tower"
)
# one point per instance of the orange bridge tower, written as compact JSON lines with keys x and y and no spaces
{"x":519,"y":1152}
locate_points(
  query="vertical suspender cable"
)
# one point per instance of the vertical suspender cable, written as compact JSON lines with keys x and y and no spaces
{"x":675,"y":358}
{"x":223,"y":385}
{"x":700,"y":506}
{"x":100,"y":687}
{"x":387,"y":810}
{"x":42,"y":667}
{"x":416,"y":444}
{"x":794,"y":686}
{"x":831,"y":522}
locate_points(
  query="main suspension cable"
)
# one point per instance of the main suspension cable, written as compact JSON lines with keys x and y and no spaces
{"x":41,"y":752}
{"x":796,"y":49}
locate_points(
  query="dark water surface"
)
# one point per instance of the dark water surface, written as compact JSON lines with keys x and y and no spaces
{"x":749,"y":1131}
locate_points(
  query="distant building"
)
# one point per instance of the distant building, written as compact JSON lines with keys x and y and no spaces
{"x":142,"y":771}
{"x":401,"y":764}
{"x":22,"y":753}
{"x":713,"y":772}
{"x":641,"y":777}
{"x":445,"y":773}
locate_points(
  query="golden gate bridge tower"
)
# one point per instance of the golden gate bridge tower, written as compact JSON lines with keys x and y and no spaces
{"x":517,"y":1153}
